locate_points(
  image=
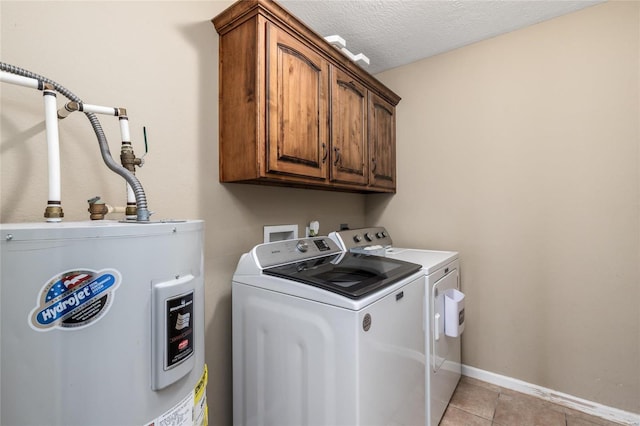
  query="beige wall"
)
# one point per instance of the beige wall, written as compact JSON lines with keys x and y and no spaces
{"x":160,"y":61}
{"x":522,"y":152}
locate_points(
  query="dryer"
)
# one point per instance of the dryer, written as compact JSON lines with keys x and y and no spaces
{"x":326,"y":337}
{"x":443,"y":310}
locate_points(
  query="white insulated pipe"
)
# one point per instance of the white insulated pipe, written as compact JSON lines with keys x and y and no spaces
{"x":53,"y":145}
{"x":53,"y":212}
{"x":16,"y":75}
{"x":89,"y":108}
{"x":125,"y":133}
{"x":97,"y":109}
{"x":131,"y":201}
{"x":126,"y":138}
{"x":7,"y":77}
{"x":124,"y":129}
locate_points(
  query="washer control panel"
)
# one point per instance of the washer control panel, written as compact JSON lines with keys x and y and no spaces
{"x":288,"y":251}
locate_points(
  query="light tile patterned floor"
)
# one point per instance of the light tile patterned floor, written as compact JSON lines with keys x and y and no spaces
{"x":477,"y":403}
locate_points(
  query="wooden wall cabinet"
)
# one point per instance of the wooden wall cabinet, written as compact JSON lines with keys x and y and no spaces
{"x":297,"y":105}
{"x":294,"y":111}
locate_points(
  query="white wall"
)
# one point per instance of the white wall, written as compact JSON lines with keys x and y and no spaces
{"x":522,"y":152}
{"x":159,"y":60}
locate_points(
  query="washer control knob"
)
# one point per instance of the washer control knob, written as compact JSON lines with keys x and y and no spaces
{"x":368,"y":236}
{"x":357,"y":238}
{"x":380,"y":235}
{"x":384,"y":234}
{"x":302,"y":246}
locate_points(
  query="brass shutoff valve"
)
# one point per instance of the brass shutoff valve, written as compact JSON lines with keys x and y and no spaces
{"x":128,"y":158}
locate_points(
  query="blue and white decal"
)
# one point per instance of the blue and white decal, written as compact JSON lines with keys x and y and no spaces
{"x":74,"y":299}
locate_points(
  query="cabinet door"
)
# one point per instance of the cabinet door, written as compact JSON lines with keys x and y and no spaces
{"x":349,"y":161}
{"x":382,"y":142}
{"x":297,"y":89}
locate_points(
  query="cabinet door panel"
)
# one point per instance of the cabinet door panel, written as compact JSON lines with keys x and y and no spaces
{"x":296,"y":107}
{"x":348,"y":129}
{"x":382,"y":142}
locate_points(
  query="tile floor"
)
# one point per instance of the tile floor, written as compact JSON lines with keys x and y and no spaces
{"x":477,"y":403}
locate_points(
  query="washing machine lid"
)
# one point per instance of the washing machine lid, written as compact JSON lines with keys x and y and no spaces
{"x":349,"y":274}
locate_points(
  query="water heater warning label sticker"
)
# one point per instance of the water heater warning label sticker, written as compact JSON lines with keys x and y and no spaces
{"x":192,"y":410}
{"x":179,"y":329}
{"x":74,"y":299}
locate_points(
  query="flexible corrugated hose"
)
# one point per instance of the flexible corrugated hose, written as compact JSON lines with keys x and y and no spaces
{"x":142,"y":213}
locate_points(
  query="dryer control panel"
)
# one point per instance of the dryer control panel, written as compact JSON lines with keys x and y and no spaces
{"x":363,"y":237}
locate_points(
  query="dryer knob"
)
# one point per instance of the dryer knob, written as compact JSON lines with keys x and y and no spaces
{"x":368,"y":236}
{"x":302,"y":246}
{"x":357,"y":238}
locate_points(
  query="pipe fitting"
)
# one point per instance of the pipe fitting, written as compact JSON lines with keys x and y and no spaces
{"x":67,"y":109}
{"x":128,"y":157}
{"x":97,"y":209}
{"x":53,"y":212}
{"x":131,"y":211}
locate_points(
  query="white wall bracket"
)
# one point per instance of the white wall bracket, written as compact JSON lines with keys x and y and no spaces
{"x":280,"y":232}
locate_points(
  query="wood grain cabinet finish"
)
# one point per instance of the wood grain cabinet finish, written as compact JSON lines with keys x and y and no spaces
{"x":297,"y":134}
{"x":382,"y":142}
{"x":349,"y":150}
{"x":294,"y":111}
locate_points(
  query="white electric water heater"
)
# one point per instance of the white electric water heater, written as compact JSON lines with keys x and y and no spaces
{"x":102,"y":323}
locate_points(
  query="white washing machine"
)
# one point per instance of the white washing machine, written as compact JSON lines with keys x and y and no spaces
{"x":444,"y":309}
{"x":325,"y":337}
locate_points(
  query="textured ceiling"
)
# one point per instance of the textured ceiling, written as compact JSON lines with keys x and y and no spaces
{"x":397,"y":32}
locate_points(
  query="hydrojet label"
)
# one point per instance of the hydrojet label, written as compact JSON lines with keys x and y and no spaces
{"x":74,"y":299}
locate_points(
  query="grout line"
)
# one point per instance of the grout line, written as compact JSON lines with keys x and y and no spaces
{"x":558,"y":398}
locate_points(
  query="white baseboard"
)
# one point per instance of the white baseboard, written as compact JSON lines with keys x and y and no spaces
{"x":575,"y":403}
